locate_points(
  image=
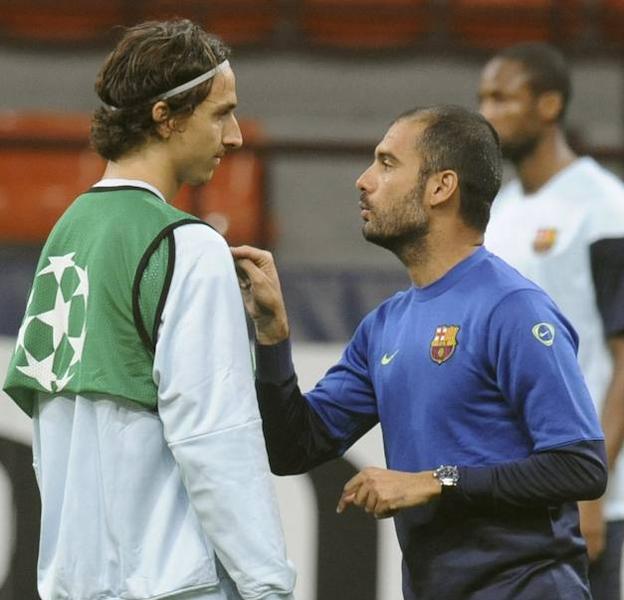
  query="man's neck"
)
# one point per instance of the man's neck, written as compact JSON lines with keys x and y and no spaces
{"x":438,"y":253}
{"x":146,"y":165}
{"x":551,"y":155}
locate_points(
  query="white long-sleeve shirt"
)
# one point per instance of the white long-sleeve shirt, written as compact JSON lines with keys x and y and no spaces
{"x":145,"y":505}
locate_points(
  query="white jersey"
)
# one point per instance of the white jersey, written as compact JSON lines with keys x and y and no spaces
{"x":178,"y":503}
{"x":559,"y":238}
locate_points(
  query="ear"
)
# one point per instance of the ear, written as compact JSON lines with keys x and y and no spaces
{"x":160,"y":116}
{"x":442,"y":187}
{"x":550,"y":105}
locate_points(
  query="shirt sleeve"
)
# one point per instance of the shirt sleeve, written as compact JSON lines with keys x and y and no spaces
{"x":344,"y":398}
{"x":607,"y":266}
{"x":533,"y":351}
{"x":573,"y":472}
{"x":297,"y":440}
{"x":208,"y":407}
{"x":305,"y":430}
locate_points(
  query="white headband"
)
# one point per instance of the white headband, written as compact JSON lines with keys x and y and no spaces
{"x":188,"y":85}
{"x":193,"y":82}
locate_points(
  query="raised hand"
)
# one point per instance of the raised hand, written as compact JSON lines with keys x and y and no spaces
{"x":262,"y":293}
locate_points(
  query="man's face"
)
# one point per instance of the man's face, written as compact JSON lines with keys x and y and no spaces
{"x":392,"y":190}
{"x":507,"y":101}
{"x":208,"y":133}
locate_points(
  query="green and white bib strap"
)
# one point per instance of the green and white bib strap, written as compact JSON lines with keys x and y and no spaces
{"x":122,"y":183}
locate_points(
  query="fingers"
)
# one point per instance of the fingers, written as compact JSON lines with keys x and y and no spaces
{"x":367,"y":499}
{"x":243,"y":278}
{"x":344,"y":502}
{"x":592,"y":528}
{"x":254,"y":267}
{"x":257,"y":256}
{"x":595,"y":547}
{"x":247,"y":273}
{"x":349,"y":492}
{"x":359,"y":491}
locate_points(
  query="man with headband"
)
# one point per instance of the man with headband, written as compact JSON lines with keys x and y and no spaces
{"x":133,"y":358}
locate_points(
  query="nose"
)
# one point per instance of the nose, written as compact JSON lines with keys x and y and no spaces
{"x":363,"y":182}
{"x":232,"y":136}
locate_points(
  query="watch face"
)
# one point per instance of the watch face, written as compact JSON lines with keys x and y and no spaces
{"x":447,"y":475}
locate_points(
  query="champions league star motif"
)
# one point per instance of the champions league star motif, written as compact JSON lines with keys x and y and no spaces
{"x":52,"y":336}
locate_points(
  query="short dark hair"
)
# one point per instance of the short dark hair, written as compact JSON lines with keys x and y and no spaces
{"x":463,"y":141}
{"x":547,"y":69}
{"x":150,"y":59}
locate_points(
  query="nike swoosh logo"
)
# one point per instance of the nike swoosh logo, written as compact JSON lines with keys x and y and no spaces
{"x":387,"y":359}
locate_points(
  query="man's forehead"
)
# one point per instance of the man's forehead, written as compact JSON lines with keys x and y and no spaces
{"x":223,"y":90}
{"x":402,"y":137}
{"x":505,"y":73}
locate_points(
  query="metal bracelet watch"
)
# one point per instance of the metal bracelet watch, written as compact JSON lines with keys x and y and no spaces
{"x":447,"y":475}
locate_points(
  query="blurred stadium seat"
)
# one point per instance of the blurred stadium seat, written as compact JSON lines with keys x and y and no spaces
{"x":611,"y":21}
{"x":493,"y":24}
{"x":45,"y":162}
{"x":237,"y":22}
{"x":61,"y":21}
{"x":365,"y":23}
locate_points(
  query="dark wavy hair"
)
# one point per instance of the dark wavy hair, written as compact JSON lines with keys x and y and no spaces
{"x":150,"y":59}
{"x":463,"y":141}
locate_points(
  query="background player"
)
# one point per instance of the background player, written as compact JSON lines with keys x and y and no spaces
{"x":561,"y":223}
{"x":147,"y":439}
{"x":489,"y":431}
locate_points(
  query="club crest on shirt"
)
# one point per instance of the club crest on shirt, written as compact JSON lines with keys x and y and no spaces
{"x":545,"y":239}
{"x":444,"y":343}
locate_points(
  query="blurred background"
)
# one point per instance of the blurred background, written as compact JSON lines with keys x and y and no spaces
{"x":318,"y":82}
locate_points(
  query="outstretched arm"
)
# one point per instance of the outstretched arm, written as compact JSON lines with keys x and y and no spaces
{"x":301,"y":431}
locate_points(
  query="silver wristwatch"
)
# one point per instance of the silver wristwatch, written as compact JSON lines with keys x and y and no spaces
{"x":447,"y":475}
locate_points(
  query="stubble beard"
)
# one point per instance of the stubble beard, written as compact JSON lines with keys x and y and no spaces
{"x":517,"y":150}
{"x":404,"y":234}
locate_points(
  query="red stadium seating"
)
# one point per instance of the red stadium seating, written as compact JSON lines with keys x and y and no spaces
{"x":45,"y":162}
{"x":365,"y":23}
{"x":237,"y":22}
{"x":73,"y":21}
{"x":61,"y":21}
{"x":493,"y":24}
{"x":611,"y":21}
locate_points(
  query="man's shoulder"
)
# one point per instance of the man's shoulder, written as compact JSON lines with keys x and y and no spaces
{"x":389,"y":308}
{"x":600,"y":195}
{"x":494,"y":279}
{"x":198,"y":236}
{"x":590,"y":182}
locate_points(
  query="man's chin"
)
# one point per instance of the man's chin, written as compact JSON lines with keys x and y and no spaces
{"x":202,"y":179}
{"x":516,"y":152}
{"x":374,"y":237}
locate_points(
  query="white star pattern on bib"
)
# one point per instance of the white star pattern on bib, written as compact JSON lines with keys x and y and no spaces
{"x":60,"y":321}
